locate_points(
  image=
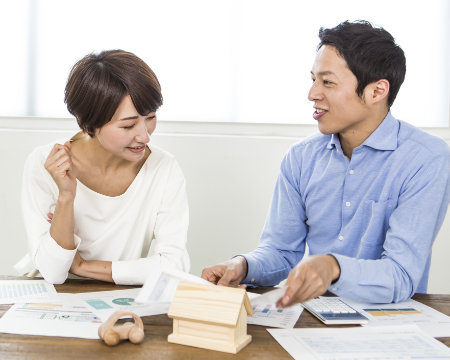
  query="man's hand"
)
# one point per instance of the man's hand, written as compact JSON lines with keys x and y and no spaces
{"x":229,"y":273}
{"x":76,"y":264}
{"x":309,"y":279}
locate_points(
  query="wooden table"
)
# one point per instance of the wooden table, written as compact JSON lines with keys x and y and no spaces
{"x":157,"y":328}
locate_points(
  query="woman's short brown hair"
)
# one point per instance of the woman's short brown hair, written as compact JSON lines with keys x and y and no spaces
{"x":98,"y":82}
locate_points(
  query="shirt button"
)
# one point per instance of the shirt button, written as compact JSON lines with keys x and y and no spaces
{"x":347,"y":204}
{"x":351,"y":172}
{"x":341,"y":237}
{"x":334,"y":289}
{"x":253,"y":280}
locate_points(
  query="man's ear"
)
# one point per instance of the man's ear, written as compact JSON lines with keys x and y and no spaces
{"x":377,"y":91}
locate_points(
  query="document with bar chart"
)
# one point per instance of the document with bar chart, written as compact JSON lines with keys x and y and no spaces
{"x":406,"y":312}
{"x":269,"y":315}
{"x":22,"y":291}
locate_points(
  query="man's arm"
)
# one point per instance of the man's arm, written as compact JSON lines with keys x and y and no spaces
{"x":413,"y":226}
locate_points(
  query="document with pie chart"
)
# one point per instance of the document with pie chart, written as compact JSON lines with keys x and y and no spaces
{"x":105,"y":303}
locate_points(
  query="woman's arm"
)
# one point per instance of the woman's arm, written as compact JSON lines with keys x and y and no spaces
{"x":59,"y":165}
{"x":95,"y":269}
{"x":52,"y":257}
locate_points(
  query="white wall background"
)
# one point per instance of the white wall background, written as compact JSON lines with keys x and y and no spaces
{"x":230,"y":179}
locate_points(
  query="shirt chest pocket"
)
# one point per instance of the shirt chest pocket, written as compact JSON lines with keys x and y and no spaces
{"x":376,"y":221}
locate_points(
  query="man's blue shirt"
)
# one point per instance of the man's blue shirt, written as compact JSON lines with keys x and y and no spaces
{"x":377,"y":214}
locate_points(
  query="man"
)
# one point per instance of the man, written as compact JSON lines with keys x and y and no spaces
{"x":368,"y":193}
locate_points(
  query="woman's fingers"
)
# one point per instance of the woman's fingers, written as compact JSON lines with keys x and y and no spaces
{"x":55,"y":159}
{"x":55,"y":149}
{"x":63,"y":151}
{"x":59,"y":165}
{"x":68,"y":146}
{"x":62,"y":160}
{"x":58,"y":147}
{"x":60,"y":170}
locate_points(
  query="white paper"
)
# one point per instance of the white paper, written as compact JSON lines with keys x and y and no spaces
{"x":269,"y":315}
{"x":14,"y":291}
{"x":431,"y":321}
{"x":362,"y":343}
{"x":269,"y":297}
{"x":66,"y":319}
{"x":162,"y":283}
{"x":105,"y":303}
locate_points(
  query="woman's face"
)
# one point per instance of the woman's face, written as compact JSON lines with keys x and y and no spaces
{"x":127,"y":132}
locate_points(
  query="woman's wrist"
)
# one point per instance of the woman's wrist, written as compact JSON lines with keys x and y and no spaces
{"x":66,"y":198}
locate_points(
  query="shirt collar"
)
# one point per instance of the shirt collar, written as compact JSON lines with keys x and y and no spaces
{"x":334,"y":141}
{"x":383,"y":138}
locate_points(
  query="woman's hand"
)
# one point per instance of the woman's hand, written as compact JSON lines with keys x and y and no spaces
{"x":59,"y":165}
{"x":76,"y":264}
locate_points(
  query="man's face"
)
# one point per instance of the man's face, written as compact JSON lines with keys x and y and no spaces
{"x":338,"y":108}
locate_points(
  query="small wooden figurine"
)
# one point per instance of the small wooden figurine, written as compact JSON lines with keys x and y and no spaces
{"x":210,"y":317}
{"x":113,"y":334}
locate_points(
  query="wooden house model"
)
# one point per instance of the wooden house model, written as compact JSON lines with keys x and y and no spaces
{"x":210,"y":317}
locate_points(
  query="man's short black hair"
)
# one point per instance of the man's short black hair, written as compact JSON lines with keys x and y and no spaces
{"x":370,"y":52}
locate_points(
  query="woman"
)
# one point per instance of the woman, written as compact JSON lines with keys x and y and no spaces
{"x":93,"y":204}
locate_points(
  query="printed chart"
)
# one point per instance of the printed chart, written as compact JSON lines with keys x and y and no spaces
{"x":269,"y":315}
{"x":406,"y":312}
{"x":14,"y":291}
{"x":105,"y":303}
{"x":54,"y":312}
{"x":70,"y":318}
{"x":361,"y":343}
{"x":268,"y":311}
{"x":392,"y":312}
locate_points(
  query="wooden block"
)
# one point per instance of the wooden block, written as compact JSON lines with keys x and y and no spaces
{"x":206,"y":331}
{"x":210,"y":317}
{"x":210,"y":344}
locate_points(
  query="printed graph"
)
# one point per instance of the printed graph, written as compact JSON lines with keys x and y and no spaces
{"x":8,"y":291}
{"x":392,"y":312}
{"x":268,"y":310}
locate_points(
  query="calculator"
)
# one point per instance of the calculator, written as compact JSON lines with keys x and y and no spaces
{"x":333,"y":311}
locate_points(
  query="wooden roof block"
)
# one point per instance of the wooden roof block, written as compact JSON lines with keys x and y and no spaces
{"x":211,"y":304}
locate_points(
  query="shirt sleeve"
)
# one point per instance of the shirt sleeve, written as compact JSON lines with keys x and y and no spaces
{"x":170,"y":235}
{"x":38,"y":199}
{"x":413,"y":227}
{"x":282,"y":243}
